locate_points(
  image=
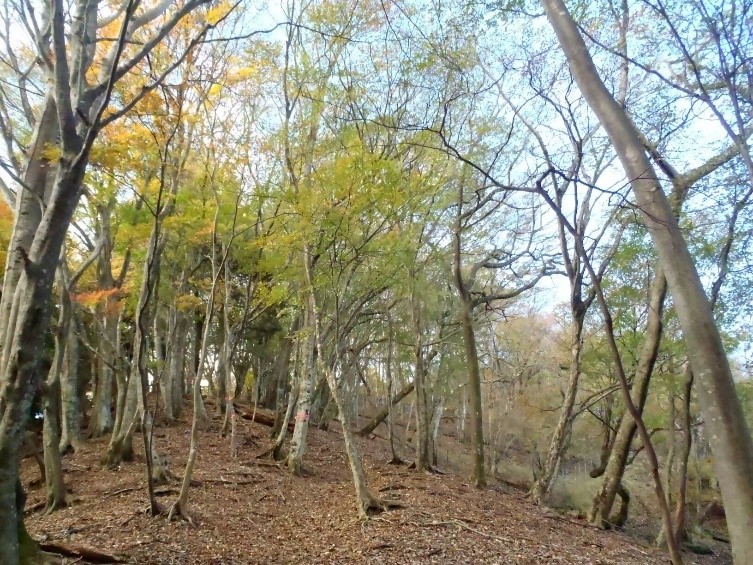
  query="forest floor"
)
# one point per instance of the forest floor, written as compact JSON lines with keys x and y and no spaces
{"x":249,"y":510}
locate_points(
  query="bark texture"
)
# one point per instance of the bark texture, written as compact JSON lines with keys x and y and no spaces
{"x":729,"y":434}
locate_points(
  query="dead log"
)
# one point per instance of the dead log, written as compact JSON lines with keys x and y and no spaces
{"x":382,"y":416}
{"x":264,"y":419}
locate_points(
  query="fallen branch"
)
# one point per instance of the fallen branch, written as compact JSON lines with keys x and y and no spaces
{"x":228,"y":482}
{"x":374,"y":423}
{"x":166,"y":491}
{"x":576,"y":522}
{"x":392,"y":487}
{"x":121,"y":491}
{"x":81,"y":552}
{"x":460,"y":523}
{"x":264,"y":419}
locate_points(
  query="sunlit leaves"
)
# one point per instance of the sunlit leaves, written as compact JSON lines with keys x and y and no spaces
{"x":215,"y":14}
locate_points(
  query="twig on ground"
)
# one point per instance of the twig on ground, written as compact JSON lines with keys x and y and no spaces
{"x":121,"y":491}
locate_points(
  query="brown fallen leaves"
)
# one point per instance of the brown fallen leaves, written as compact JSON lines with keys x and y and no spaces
{"x":249,"y":511}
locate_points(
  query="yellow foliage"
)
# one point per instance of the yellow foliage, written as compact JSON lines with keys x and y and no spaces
{"x":215,"y":89}
{"x":188,"y":302}
{"x":51,"y":152}
{"x":217,"y":13}
{"x":243,"y":73}
{"x":90,"y":299}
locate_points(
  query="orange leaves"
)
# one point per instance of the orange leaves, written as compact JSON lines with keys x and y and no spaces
{"x":6,"y":227}
{"x":109,"y":298}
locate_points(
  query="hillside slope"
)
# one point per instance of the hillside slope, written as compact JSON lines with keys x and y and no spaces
{"x":251,"y":511}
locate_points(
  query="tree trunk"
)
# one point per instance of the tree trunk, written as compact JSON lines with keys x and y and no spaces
{"x":69,"y":393}
{"x":436,"y":420}
{"x":681,"y":531}
{"x":227,"y":361}
{"x":178,"y":364}
{"x":366,"y":502}
{"x":121,"y":443}
{"x":170,"y":373}
{"x":102,"y":420}
{"x":420,"y":370}
{"x":23,"y":326}
{"x":19,"y":358}
{"x":220,"y":377}
{"x":283,"y":425}
{"x":282,"y":376}
{"x":107,"y":320}
{"x":394,"y":459}
{"x":306,"y":381}
{"x":543,"y":484}
{"x":52,"y":461}
{"x":728,"y":432}
{"x":478,"y":477}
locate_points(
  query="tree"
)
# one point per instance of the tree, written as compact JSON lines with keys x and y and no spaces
{"x":72,"y":113}
{"x":731,"y":440}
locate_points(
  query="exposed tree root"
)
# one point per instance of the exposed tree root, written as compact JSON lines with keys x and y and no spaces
{"x":430,"y":469}
{"x":177,"y":513}
{"x":155,"y":509}
{"x":34,"y":507}
{"x":371,"y":505}
{"x":270,"y":451}
{"x":53,"y":505}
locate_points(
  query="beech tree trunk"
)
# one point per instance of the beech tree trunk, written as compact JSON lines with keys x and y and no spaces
{"x":478,"y":476}
{"x":177,"y":367}
{"x":542,"y":486}
{"x":680,"y":521}
{"x":23,"y":325}
{"x":121,"y":443}
{"x":394,"y":459}
{"x":729,"y":435}
{"x":612,"y":478}
{"x":365,"y":501}
{"x":306,"y":383}
{"x":436,"y":421}
{"x":419,"y":376}
{"x":107,"y":319}
{"x":52,"y":461}
{"x":69,"y":389}
{"x":282,"y":377}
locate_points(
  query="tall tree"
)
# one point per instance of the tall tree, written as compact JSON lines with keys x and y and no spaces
{"x":730,"y":437}
{"x":80,"y":72}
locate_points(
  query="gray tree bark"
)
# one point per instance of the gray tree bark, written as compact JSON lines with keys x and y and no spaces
{"x":305,"y":390}
{"x":729,"y":434}
{"x":604,"y":500}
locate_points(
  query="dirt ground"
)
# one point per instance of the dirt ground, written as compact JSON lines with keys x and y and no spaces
{"x":249,"y":511}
